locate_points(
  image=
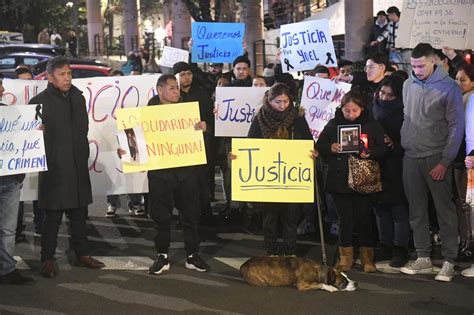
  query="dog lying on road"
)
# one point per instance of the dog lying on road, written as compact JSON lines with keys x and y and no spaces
{"x":305,"y":274}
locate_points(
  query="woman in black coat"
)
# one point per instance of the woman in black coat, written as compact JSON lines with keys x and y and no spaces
{"x":391,"y":209}
{"x":279,"y":119}
{"x":352,"y":207}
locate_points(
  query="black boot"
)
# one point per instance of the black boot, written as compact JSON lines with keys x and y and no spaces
{"x":399,"y":257}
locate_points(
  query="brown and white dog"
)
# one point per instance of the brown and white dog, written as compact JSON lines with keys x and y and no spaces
{"x":305,"y":274}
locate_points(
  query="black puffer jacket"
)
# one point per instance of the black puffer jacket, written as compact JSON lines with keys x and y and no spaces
{"x":338,"y":171}
{"x":390,"y":116}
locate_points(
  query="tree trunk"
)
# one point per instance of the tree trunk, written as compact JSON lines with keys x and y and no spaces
{"x":94,"y":27}
{"x":252,"y":16}
{"x":181,"y":24}
{"x":357,"y":26}
{"x":131,"y":31}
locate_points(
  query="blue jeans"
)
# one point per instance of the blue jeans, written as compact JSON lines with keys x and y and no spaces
{"x":393,"y":224}
{"x":133,"y":199}
{"x":9,"y":200}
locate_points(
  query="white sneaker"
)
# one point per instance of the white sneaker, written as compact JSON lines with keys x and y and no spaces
{"x":422,"y":265}
{"x":446,"y":273}
{"x":469,"y":272}
{"x":110,"y":212}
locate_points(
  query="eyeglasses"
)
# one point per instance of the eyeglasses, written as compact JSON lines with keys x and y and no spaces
{"x":370,"y":67}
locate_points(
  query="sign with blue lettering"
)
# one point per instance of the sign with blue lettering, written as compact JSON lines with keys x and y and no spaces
{"x":21,"y":143}
{"x":217,"y":42}
{"x":305,"y":45}
{"x":236,"y":108}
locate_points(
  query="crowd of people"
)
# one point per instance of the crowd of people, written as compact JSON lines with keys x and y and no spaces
{"x":420,"y":141}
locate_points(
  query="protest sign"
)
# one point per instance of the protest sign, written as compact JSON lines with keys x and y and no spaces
{"x":439,"y":23}
{"x":269,"y":170}
{"x":236,"y":108}
{"x":320,"y":98}
{"x":217,"y":42}
{"x":306,"y":44}
{"x":104,"y":95}
{"x":171,"y":140}
{"x":21,"y":143}
{"x":173,"y":55}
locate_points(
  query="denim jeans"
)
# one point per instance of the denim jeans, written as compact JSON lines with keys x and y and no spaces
{"x":393,"y":224}
{"x":9,"y":199}
{"x":133,"y":199}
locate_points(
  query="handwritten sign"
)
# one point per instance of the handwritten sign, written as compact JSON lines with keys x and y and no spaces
{"x":171,"y":140}
{"x":21,"y":143}
{"x":217,"y":42}
{"x":104,"y":95}
{"x":439,"y":23}
{"x":236,"y":109}
{"x":173,"y":55}
{"x":320,"y":98}
{"x":272,"y":170}
{"x":305,"y":45}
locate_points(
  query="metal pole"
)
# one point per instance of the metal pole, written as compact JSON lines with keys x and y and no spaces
{"x":320,"y":220}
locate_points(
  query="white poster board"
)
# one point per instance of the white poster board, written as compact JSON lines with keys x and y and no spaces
{"x":21,"y":143}
{"x":304,"y":45}
{"x":320,"y":98}
{"x":236,"y":108}
{"x":103,"y":96}
{"x":173,"y":55}
{"x":439,"y":23}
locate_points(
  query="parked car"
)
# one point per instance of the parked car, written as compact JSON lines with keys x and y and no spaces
{"x":81,"y":71}
{"x":9,"y":62}
{"x":41,"y":66}
{"x":45,"y":49}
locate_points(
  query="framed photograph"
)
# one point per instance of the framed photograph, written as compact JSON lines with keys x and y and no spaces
{"x":348,"y":137}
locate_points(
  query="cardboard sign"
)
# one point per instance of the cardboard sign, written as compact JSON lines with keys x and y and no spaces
{"x":304,"y":45}
{"x":272,"y":170}
{"x":171,"y":140}
{"x":21,"y":143}
{"x":236,"y":109}
{"x":439,"y":23}
{"x":173,"y":55}
{"x":320,"y":98}
{"x":217,"y":42}
{"x":104,"y":95}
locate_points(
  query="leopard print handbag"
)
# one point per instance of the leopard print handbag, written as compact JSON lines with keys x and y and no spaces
{"x":364,"y":175}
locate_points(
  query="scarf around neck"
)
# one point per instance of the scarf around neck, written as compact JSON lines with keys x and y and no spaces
{"x":271,"y":121}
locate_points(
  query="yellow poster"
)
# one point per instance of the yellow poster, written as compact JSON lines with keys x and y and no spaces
{"x":171,"y":140}
{"x":272,"y":170}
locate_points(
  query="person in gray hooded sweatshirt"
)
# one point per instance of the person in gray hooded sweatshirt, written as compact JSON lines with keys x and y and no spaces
{"x":431,"y":135}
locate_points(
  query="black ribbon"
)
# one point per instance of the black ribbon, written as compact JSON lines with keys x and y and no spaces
{"x":288,"y":65}
{"x":329,"y":60}
{"x":38,"y":112}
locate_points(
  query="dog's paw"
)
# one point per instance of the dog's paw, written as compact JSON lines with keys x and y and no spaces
{"x":329,"y":288}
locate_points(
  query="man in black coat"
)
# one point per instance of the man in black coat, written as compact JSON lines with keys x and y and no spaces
{"x":192,"y":91}
{"x":66,"y":186}
{"x":174,"y":187}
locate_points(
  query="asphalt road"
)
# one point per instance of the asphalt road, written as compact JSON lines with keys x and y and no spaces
{"x":125,"y":244}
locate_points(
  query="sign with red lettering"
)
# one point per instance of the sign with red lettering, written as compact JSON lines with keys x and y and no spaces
{"x":320,"y":99}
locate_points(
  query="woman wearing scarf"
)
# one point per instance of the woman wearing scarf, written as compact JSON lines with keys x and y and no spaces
{"x":278,"y":118}
{"x":391,"y":208}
